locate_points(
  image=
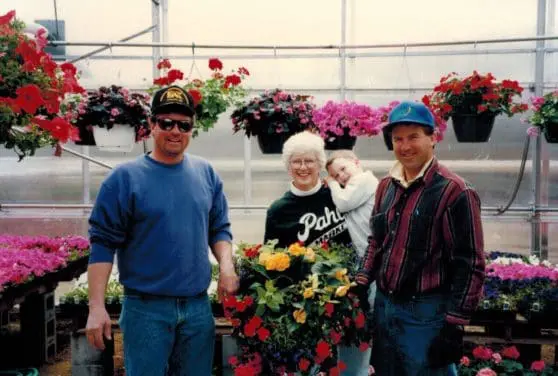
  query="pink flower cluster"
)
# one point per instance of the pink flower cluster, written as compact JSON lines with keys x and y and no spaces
{"x":485,"y":361}
{"x":334,"y":118}
{"x":537,"y":102}
{"x":25,"y":257}
{"x":521,"y":271}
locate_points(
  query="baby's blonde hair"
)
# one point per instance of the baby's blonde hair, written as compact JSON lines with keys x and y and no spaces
{"x":344,"y":153}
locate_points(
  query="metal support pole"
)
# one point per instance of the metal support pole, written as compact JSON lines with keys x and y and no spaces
{"x":545,"y":156}
{"x":307,"y":47}
{"x":98,"y":50}
{"x":86,"y":157}
{"x":165,"y":26}
{"x":342,"y":53}
{"x":156,"y":51}
{"x":86,"y":176}
{"x":247,"y":171}
{"x":536,"y":233}
{"x":156,"y":37}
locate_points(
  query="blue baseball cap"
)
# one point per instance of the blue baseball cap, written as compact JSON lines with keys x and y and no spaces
{"x":408,"y":112}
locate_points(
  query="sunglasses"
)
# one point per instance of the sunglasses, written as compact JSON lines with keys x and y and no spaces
{"x":184,"y":126}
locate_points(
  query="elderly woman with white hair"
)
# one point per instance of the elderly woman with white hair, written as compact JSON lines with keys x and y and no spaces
{"x":306,"y":212}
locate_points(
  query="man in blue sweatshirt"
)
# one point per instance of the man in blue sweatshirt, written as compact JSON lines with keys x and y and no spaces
{"x":160,"y":213}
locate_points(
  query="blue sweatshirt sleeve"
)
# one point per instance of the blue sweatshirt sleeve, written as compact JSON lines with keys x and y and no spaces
{"x":219,"y":224}
{"x":108,"y":221}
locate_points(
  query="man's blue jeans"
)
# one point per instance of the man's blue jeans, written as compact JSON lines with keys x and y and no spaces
{"x":404,"y":331}
{"x":167,"y":336}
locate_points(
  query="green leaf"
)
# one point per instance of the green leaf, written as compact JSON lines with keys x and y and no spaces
{"x":274,"y":306}
{"x":260,"y":310}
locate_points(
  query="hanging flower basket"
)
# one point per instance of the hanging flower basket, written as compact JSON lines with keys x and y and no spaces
{"x":340,"y":124}
{"x":545,"y":115}
{"x":115,"y":117}
{"x":120,"y":138}
{"x":32,"y":86}
{"x":551,"y":133}
{"x":272,"y":143}
{"x":273,"y":117}
{"x":473,"y":127}
{"x":212,"y":96}
{"x":473,"y":102}
{"x":345,"y":141}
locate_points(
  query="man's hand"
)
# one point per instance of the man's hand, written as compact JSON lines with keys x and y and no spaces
{"x":361,"y":291}
{"x":228,"y":283}
{"x":98,"y":325}
{"x":447,"y":347}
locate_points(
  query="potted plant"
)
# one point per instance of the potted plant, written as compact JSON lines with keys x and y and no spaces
{"x":116,"y":117}
{"x":273,"y":117}
{"x":473,"y":103}
{"x":32,"y":86}
{"x":212,"y":96}
{"x":545,"y":115}
{"x":293,"y":308}
{"x":340,"y":124}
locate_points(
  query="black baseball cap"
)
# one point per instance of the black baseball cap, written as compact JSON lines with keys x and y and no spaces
{"x":172,"y":99}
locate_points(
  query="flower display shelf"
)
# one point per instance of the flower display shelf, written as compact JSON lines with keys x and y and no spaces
{"x":17,"y":293}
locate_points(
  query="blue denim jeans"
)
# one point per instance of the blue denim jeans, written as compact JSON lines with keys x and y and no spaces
{"x":167,"y":336}
{"x":404,"y":331}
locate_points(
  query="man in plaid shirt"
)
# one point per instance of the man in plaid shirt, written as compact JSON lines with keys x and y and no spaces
{"x":426,"y":254}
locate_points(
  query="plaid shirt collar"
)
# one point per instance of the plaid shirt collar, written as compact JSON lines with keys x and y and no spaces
{"x":425,"y":174}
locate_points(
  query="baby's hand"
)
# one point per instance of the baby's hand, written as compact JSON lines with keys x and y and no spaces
{"x":327,"y":179}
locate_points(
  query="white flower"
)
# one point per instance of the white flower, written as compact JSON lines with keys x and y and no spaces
{"x":534,"y":260}
{"x":507,"y":261}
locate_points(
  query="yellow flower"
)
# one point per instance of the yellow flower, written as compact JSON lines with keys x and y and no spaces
{"x":342,"y":290}
{"x":278,"y":261}
{"x":340,"y":273}
{"x":310,"y":255}
{"x":300,"y":316}
{"x":308,"y":293}
{"x":296,"y":249}
{"x":264,"y":256}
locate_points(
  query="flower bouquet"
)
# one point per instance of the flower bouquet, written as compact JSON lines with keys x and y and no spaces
{"x":212,"y":96}
{"x":545,"y":115}
{"x":473,"y":102}
{"x":32,"y":86}
{"x":274,"y":116}
{"x":294,"y":306}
